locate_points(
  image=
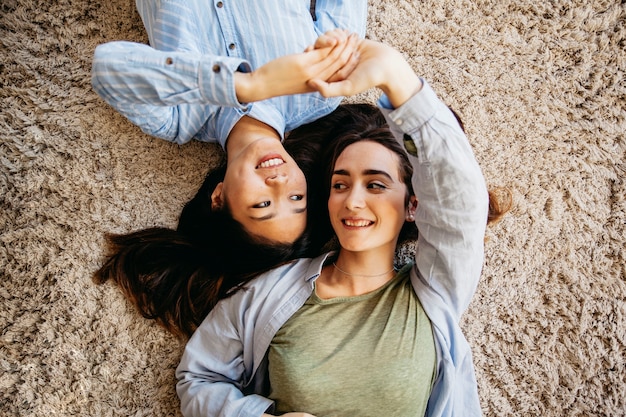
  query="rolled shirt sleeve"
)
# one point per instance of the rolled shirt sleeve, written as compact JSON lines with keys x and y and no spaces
{"x":452,"y":197}
{"x":182,"y":85}
{"x":167,"y":94}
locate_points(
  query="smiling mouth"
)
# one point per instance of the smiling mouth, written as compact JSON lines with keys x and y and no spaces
{"x":357,"y":223}
{"x":270,"y":161}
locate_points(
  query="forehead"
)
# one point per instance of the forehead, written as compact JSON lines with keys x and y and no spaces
{"x":366,"y":155}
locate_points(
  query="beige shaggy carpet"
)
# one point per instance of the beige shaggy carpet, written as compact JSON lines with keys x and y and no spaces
{"x":542,"y":88}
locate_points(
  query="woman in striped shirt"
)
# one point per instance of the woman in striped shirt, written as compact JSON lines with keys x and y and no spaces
{"x":234,"y":73}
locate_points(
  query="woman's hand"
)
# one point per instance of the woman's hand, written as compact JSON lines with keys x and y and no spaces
{"x":329,"y":38}
{"x":332,"y":38}
{"x":290,"y":74}
{"x":379,"y":65}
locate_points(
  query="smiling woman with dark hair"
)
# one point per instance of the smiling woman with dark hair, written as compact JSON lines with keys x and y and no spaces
{"x":234,"y":73}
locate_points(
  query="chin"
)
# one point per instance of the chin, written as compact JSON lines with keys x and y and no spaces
{"x":353,"y":246}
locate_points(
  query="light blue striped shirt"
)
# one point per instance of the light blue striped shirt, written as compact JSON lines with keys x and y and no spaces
{"x":171,"y":89}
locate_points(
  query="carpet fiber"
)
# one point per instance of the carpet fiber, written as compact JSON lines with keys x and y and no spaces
{"x":542,"y":89}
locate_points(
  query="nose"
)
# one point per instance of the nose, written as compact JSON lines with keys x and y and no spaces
{"x":354,"y":199}
{"x":277,"y":179}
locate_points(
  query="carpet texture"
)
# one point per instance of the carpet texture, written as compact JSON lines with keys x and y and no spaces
{"x":542,"y":89}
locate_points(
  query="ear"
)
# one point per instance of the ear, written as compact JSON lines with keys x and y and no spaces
{"x":411,"y":208}
{"x":217,"y":200}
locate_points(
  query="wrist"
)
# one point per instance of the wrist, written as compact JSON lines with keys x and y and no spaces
{"x":399,"y":90}
{"x":399,"y":82}
{"x":244,"y":87}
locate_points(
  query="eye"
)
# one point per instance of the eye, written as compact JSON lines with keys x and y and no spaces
{"x":297,"y":197}
{"x":262,"y":204}
{"x":376,"y":186}
{"x":339,"y":186}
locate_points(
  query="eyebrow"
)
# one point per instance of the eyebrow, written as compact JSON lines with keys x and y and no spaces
{"x":365,"y":172}
{"x":272,"y":215}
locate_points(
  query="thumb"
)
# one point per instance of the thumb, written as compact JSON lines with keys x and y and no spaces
{"x":334,"y":89}
{"x":318,"y":54}
{"x":325,"y":41}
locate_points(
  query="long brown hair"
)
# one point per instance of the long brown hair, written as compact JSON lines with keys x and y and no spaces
{"x":176,"y":276}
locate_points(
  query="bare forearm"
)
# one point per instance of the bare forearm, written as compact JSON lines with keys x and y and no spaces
{"x":290,"y":74}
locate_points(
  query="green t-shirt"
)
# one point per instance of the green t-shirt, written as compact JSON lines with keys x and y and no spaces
{"x":368,"y":355}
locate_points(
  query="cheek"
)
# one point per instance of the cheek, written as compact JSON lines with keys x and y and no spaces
{"x":296,"y":175}
{"x":334,"y":203}
{"x":238,"y":192}
{"x":400,"y":209}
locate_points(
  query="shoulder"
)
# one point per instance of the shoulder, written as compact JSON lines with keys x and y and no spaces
{"x":268,"y":295}
{"x":292,"y":271}
{"x":294,"y":274}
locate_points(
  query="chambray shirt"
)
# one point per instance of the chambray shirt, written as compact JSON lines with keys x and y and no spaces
{"x":182,"y":85}
{"x":223,"y":369}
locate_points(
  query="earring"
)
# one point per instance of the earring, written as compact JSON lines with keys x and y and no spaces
{"x":410,"y":215}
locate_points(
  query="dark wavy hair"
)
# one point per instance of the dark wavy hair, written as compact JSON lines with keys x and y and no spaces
{"x":177,"y":276}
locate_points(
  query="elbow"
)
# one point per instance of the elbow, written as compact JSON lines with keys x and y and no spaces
{"x":101,"y":61}
{"x":169,"y":131}
{"x":101,"y":66}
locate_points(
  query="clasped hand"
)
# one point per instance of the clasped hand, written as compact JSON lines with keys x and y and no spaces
{"x":331,"y":58}
{"x":379,"y":65}
{"x":338,"y":64}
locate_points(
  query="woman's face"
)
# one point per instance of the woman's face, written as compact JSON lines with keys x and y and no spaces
{"x":367,"y":197}
{"x":265,"y":191}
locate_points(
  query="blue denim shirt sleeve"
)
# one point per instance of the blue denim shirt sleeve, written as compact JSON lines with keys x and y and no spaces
{"x":212,"y":371}
{"x":451,"y":218}
{"x":169,"y":95}
{"x":452,"y":197}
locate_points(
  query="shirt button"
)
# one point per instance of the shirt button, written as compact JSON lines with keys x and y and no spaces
{"x":216,"y":68}
{"x":231,"y":46}
{"x":399,"y":122}
{"x":220,"y":4}
{"x":169,"y":61}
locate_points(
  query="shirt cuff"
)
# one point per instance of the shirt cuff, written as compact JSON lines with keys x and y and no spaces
{"x":217,"y":80}
{"x":415,"y":112}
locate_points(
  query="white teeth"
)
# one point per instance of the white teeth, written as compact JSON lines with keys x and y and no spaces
{"x":357,"y":223}
{"x":271,"y":163}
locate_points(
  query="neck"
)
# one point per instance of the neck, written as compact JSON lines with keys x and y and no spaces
{"x":356,"y":273}
{"x":246,"y":131}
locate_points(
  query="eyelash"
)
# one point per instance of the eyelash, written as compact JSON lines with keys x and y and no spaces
{"x":372,"y":185}
{"x":377,"y":186}
{"x":264,"y":204}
